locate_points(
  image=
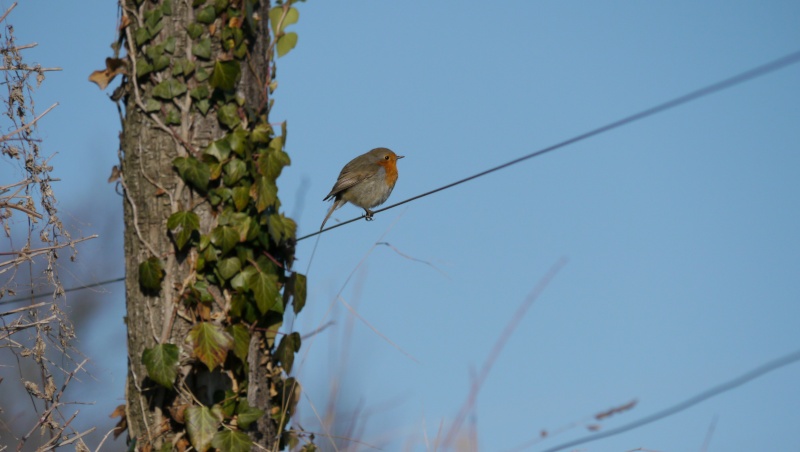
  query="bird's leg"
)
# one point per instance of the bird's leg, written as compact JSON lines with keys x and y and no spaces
{"x":369,"y":214}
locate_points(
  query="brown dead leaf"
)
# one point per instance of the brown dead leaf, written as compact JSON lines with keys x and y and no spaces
{"x":114,"y":67}
{"x":235,"y":22}
{"x":122,"y":425}
{"x":124,"y":22}
{"x":114,"y":174}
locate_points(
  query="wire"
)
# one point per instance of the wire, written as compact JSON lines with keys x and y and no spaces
{"x":740,"y":78}
{"x":71,"y":289}
{"x":716,"y":390}
{"x":745,"y":76}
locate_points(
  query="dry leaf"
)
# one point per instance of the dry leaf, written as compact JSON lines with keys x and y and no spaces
{"x":114,"y":67}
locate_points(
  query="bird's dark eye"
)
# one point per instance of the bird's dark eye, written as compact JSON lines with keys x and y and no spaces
{"x":387,"y":157}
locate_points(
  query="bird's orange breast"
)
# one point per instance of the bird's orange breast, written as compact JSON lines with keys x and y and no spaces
{"x":391,"y":171}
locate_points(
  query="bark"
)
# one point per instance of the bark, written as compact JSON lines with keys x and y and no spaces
{"x":152,"y":192}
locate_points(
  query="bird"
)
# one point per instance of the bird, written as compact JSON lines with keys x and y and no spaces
{"x":367,"y":181}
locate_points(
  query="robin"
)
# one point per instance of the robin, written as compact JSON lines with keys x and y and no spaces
{"x":367,"y":181}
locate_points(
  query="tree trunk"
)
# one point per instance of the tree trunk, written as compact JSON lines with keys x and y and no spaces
{"x":207,"y":251}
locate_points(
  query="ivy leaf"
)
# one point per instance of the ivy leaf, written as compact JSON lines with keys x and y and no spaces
{"x":210,"y":343}
{"x":280,"y":227}
{"x":241,"y":341}
{"x":241,"y":281}
{"x":298,"y":292}
{"x":247,"y":414}
{"x":199,"y":93}
{"x":224,"y":238}
{"x":194,"y":172}
{"x":169,"y":89}
{"x":202,"y":424}
{"x":182,"y":225}
{"x":206,"y":15}
{"x":227,"y":268}
{"x":225,"y":75}
{"x":202,"y":49}
{"x":273,"y":162}
{"x":265,"y":290}
{"x":275,"y":15}
{"x":161,"y":362}
{"x":261,"y":133}
{"x":152,"y":105}
{"x":264,"y":192}
{"x":289,"y":345}
{"x":228,"y":115}
{"x":232,"y":441}
{"x":143,"y":67}
{"x":241,"y":196}
{"x":150,"y":274}
{"x":219,"y":149}
{"x":240,"y":141}
{"x":194,"y":30}
{"x":235,"y":169}
{"x":286,"y":43}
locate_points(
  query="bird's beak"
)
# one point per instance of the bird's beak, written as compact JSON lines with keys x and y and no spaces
{"x":400,"y":156}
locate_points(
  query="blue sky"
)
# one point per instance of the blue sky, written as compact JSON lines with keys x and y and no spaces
{"x":680,"y":230}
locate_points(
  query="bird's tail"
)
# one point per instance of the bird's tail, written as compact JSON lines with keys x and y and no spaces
{"x":336,"y":204}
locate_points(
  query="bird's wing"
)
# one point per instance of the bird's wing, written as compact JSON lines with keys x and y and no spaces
{"x":351,"y":175}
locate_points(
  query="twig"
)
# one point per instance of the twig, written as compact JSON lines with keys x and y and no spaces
{"x":375,"y":330}
{"x":28,"y":125}
{"x":135,"y":213}
{"x":30,"y":212}
{"x":24,"y":308}
{"x":498,"y":347}
{"x":3,"y":17}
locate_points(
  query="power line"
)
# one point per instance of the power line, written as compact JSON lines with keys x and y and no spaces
{"x":740,"y":78}
{"x":49,"y":294}
{"x":719,"y":389}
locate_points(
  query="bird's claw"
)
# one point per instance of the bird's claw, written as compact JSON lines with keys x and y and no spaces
{"x":369,"y":215}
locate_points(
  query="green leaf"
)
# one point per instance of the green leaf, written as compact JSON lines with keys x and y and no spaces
{"x":194,"y":172}
{"x":240,"y":141}
{"x":224,"y":238}
{"x":182,"y":225}
{"x":150,"y":274}
{"x":275,"y":15}
{"x":225,"y":75}
{"x":143,"y":67}
{"x":265,"y":290}
{"x":232,"y":441}
{"x":241,"y":341}
{"x":142,"y":35}
{"x":202,"y":49}
{"x":173,"y":116}
{"x":264,"y":192}
{"x":201,"y":92}
{"x":289,"y":345}
{"x":161,"y":362}
{"x":169,"y":45}
{"x":241,"y":281}
{"x":247,"y":414}
{"x":273,"y":162}
{"x":262,"y":133}
{"x":280,"y":228}
{"x":286,"y":43}
{"x":152,"y":105}
{"x":194,"y":30}
{"x":206,"y":15}
{"x":241,"y":197}
{"x":202,"y":424}
{"x":210,"y":343}
{"x":234,"y":170}
{"x":219,"y":149}
{"x":202,"y":74}
{"x":182,"y":66}
{"x":227,"y":268}
{"x":203,"y":106}
{"x":298,"y":292}
{"x":228,"y":115}
{"x":220,"y":5}
{"x":169,"y":88}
